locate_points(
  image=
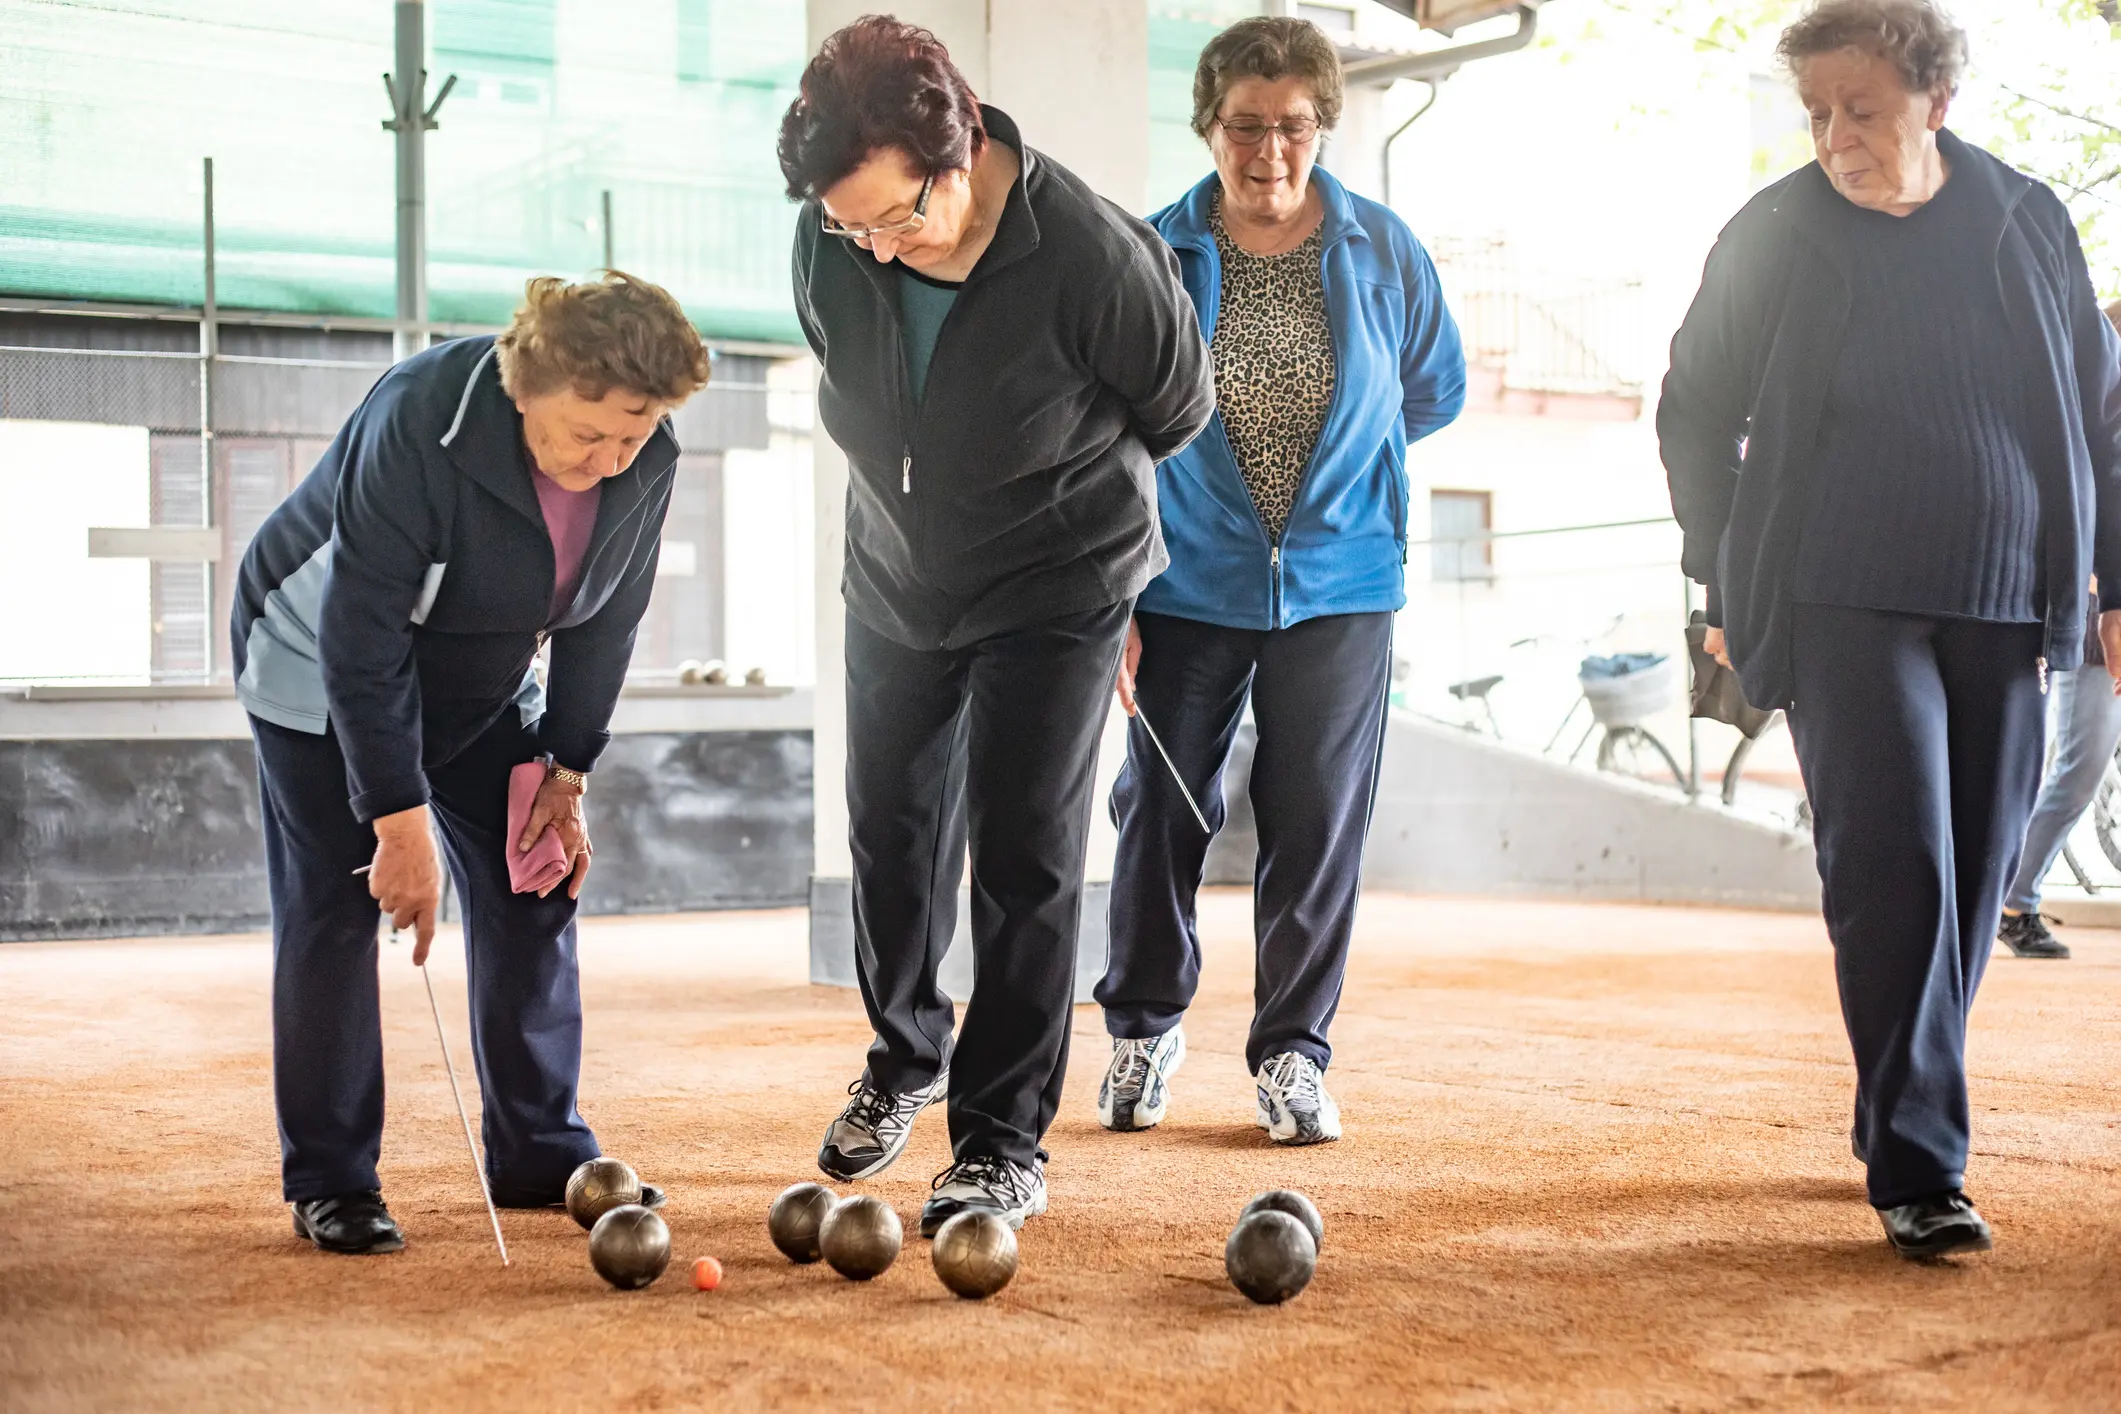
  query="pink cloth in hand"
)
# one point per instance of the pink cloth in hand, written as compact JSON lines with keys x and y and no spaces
{"x":546,"y":863}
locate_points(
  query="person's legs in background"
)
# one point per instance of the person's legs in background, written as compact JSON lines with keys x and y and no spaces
{"x":1191,"y":686}
{"x":2087,"y":727}
{"x":1319,"y":698}
{"x":1908,"y":808}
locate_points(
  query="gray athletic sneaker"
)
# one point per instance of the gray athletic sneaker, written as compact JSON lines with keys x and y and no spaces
{"x":986,"y":1184}
{"x":1294,"y":1104}
{"x":872,"y":1130}
{"x":1137,"y":1089}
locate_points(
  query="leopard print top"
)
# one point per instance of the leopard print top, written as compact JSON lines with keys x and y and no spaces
{"x":1274,"y":369}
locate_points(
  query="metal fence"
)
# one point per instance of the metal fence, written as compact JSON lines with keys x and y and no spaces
{"x":1545,"y":332}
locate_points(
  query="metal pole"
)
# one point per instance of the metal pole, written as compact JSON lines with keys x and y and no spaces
{"x":209,"y":349}
{"x":411,"y":119}
{"x":411,"y":96}
{"x":609,"y":261}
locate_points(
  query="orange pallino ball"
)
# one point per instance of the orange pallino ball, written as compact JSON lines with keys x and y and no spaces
{"x":706,"y":1274}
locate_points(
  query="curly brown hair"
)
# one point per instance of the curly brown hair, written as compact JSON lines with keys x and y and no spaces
{"x":616,"y":331}
{"x":1270,"y":47}
{"x":1915,"y":36}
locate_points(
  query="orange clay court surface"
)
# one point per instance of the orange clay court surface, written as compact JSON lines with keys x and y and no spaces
{"x":1597,"y":1159}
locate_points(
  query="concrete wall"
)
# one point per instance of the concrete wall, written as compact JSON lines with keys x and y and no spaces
{"x":1464,"y":814}
{"x":121,"y":815}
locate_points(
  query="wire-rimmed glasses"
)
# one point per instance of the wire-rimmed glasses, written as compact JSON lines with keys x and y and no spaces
{"x":1251,"y":132}
{"x":912,"y":223}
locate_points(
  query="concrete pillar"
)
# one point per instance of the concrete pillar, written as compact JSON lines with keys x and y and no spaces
{"x":1075,"y":78}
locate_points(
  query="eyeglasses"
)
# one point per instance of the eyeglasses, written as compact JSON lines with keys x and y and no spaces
{"x":912,"y":223}
{"x":1251,"y":132}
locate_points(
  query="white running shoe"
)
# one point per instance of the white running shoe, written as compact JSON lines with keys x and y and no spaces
{"x":873,"y":1129}
{"x":985,"y":1184}
{"x":1294,"y":1106}
{"x":1137,"y":1089}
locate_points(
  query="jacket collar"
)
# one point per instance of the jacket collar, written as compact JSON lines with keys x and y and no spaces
{"x":1811,"y":203}
{"x":485,"y":441}
{"x":1016,"y":235}
{"x":1188,"y":222}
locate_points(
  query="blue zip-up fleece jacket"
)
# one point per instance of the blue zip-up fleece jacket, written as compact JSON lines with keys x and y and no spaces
{"x":1739,"y":417}
{"x":1401,"y":375}
{"x":401,"y":592}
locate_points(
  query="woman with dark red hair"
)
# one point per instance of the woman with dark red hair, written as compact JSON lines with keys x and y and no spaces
{"x":1006,"y":355}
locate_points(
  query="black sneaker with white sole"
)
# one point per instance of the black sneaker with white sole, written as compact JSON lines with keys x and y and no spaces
{"x":872,"y":1130}
{"x":986,"y":1184}
{"x":1136,"y":1093}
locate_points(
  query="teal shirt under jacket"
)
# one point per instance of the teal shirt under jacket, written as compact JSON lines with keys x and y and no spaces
{"x":1401,"y":374}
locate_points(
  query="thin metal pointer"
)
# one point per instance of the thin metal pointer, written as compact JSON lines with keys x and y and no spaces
{"x":1157,"y":742}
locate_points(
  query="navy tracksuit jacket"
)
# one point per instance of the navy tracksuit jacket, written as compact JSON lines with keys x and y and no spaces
{"x":386,"y":618}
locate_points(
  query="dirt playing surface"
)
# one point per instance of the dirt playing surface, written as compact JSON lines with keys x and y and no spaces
{"x":1597,"y":1159}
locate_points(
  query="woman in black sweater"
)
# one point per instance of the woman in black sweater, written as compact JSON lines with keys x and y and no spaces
{"x":1005,"y":356}
{"x":1900,"y":349}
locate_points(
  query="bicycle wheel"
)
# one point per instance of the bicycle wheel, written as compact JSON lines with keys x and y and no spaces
{"x":2106,"y":813}
{"x":1632,"y":751}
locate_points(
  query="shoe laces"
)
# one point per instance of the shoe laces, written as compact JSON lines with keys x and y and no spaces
{"x":990,"y":1172}
{"x":870,"y":1107}
{"x":1130,"y":1065}
{"x":1296,"y":1078}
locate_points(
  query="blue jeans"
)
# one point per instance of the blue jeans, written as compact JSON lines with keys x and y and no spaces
{"x":2086,"y":721}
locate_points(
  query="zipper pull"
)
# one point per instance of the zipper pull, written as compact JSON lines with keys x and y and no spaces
{"x":905,"y":475}
{"x":1274,"y":557}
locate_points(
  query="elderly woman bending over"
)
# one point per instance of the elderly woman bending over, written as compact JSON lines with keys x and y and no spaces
{"x":1899,"y":349}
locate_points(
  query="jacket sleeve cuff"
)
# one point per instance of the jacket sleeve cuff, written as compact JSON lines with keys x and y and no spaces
{"x":390,"y":798}
{"x":1712,"y":612}
{"x":576,"y":750}
{"x":2109,"y":593}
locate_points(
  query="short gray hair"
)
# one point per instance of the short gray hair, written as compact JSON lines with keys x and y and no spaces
{"x":1270,"y":47}
{"x":1915,"y":36}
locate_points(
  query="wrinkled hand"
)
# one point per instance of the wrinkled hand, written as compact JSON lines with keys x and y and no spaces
{"x":1712,"y":644}
{"x":560,"y":806}
{"x":2110,"y":641}
{"x":405,"y":878}
{"x":1129,"y":663}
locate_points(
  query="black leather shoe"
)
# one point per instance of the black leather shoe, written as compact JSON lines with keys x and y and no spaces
{"x":651,"y":1197}
{"x":2027,"y":935}
{"x":355,"y":1223}
{"x":1930,"y":1228}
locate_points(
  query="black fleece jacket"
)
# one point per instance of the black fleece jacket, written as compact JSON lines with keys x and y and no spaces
{"x":1022,"y":487}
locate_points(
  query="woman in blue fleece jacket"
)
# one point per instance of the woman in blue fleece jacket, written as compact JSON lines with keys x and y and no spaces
{"x":1286,"y":523}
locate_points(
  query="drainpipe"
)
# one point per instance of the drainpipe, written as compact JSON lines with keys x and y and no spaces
{"x":1442,"y":63}
{"x":1435,"y":86}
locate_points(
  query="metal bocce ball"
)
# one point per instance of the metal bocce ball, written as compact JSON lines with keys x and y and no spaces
{"x":860,"y":1237}
{"x":795,"y":1217}
{"x":599,"y":1186}
{"x":1296,"y":1205}
{"x":975,"y":1254}
{"x":1270,"y":1257}
{"x":629,"y":1247}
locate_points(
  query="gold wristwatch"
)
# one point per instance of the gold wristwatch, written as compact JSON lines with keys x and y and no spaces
{"x":555,"y":771}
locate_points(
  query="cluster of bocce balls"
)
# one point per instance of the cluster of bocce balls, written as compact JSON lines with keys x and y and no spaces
{"x":1271,"y":1254}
